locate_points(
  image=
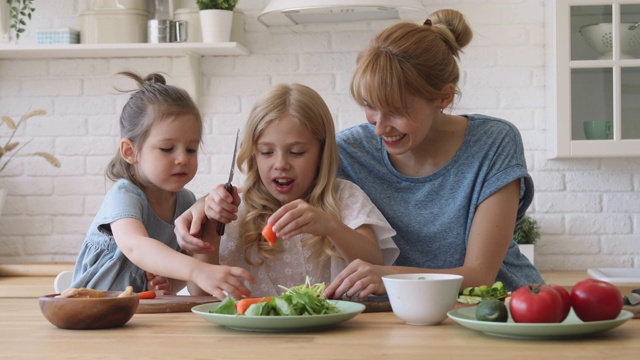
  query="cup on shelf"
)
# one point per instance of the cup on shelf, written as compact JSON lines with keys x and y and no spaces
{"x":167,"y":31}
{"x":598,"y":130}
{"x":192,"y":17}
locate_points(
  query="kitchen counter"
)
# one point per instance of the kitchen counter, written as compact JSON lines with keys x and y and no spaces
{"x":27,"y":334}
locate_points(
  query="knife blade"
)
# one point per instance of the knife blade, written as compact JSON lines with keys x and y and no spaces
{"x":228,"y":186}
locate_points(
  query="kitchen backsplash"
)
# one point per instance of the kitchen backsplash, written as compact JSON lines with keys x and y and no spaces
{"x":588,"y":209}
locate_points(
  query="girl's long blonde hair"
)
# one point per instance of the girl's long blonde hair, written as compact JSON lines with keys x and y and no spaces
{"x":307,"y":107}
{"x":411,"y":59}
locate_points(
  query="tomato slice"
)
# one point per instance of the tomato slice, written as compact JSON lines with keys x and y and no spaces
{"x":147,"y":294}
{"x":269,"y":235}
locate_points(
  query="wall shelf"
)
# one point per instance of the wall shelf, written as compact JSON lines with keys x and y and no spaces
{"x":193,"y":52}
{"x":81,"y":51}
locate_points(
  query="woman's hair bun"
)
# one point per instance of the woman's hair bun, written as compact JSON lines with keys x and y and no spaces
{"x":456,"y":23}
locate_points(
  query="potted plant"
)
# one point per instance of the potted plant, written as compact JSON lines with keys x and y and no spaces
{"x":20,"y":11}
{"x":10,"y":148}
{"x":216,"y":19}
{"x":526,"y":234}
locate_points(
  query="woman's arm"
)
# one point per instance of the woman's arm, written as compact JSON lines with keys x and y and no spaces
{"x":490,"y":235}
{"x":189,"y":229}
{"x":489,"y":238}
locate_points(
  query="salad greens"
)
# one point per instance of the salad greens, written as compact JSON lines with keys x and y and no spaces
{"x":474,"y":295}
{"x":305,"y":299}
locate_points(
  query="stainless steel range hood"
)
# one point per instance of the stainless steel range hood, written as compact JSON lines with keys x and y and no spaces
{"x":299,"y":12}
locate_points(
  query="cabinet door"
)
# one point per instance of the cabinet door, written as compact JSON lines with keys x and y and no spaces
{"x":594,"y":78}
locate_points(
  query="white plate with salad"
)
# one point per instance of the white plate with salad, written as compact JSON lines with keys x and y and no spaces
{"x":348,"y":310}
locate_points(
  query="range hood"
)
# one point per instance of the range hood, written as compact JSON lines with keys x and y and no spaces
{"x":300,"y":12}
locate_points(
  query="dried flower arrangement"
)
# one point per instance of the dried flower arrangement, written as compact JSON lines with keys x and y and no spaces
{"x":11,"y":148}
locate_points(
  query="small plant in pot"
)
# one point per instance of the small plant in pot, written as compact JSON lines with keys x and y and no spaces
{"x":216,"y":19}
{"x":217,"y":4}
{"x":526,"y":234}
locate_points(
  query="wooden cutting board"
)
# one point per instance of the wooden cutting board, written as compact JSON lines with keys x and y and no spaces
{"x":172,"y":303}
{"x":372,"y":303}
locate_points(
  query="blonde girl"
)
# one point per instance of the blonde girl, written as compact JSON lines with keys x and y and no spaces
{"x":290,"y":158}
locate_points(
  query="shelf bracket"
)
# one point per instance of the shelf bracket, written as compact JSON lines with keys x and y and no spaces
{"x":191,"y":79}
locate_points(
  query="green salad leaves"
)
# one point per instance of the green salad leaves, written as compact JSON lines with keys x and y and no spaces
{"x":474,"y":295}
{"x":305,"y":299}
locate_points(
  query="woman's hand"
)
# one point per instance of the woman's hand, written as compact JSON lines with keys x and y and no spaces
{"x":222,"y":206}
{"x":189,"y":228}
{"x":359,"y":279}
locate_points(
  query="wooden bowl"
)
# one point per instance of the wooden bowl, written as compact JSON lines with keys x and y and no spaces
{"x":89,"y":313}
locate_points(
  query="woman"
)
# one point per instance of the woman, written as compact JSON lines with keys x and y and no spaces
{"x":452,"y":186}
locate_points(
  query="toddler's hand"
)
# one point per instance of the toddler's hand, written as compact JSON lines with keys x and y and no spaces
{"x":159,"y":284}
{"x":222,"y":280}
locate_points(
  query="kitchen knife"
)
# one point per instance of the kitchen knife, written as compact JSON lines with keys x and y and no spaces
{"x":228,"y":186}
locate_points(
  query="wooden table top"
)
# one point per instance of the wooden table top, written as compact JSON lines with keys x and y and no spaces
{"x":28,"y":335}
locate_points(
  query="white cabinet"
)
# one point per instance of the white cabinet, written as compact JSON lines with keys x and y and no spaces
{"x":593,"y":78}
{"x":192,"y":51}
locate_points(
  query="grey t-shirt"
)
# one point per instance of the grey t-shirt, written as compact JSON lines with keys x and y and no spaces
{"x":432,"y":214}
{"x":101,"y":265}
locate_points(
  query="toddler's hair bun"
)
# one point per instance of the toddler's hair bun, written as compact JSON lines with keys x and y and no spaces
{"x":155,"y":78}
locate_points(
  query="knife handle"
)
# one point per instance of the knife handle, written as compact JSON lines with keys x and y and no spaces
{"x":220,"y":228}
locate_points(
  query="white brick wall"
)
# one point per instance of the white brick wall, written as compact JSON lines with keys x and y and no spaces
{"x":589,"y":209}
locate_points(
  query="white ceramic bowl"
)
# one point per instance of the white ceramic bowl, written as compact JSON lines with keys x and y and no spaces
{"x":598,"y":36}
{"x":422,"y":299}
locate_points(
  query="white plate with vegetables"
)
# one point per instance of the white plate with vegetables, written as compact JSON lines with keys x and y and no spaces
{"x":572,"y":326}
{"x":347,"y":310}
{"x":301,"y":307}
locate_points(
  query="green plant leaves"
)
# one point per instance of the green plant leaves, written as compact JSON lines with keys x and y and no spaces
{"x":20,"y":9}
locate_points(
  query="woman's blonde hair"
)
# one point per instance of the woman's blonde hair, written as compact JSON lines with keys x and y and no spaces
{"x":154,"y":101}
{"x":411,"y":59}
{"x":307,"y":107}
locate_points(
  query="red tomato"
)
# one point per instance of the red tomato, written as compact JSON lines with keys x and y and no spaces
{"x":595,"y":300}
{"x":566,"y":300}
{"x":536,"y":304}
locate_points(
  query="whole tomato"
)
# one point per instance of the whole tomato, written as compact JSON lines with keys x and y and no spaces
{"x":595,"y":300}
{"x":566,"y":300}
{"x":536,"y":304}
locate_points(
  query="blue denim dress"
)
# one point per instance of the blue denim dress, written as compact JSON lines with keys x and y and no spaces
{"x":101,"y":265}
